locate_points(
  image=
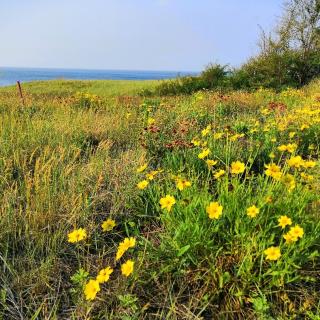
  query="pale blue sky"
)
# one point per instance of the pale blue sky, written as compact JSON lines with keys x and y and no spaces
{"x":131,"y":34}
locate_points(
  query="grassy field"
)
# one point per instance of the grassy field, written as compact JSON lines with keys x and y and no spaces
{"x":103,"y":88}
{"x":115,"y":206}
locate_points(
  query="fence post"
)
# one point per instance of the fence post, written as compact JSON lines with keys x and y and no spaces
{"x":20,"y":92}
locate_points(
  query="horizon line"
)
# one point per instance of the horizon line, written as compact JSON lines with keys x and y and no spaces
{"x":103,"y":69}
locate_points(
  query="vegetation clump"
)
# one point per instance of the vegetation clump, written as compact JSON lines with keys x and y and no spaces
{"x":180,"y":207}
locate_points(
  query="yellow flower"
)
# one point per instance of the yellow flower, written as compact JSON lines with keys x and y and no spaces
{"x":306,"y":177}
{"x":129,"y":242}
{"x":206,"y":131}
{"x":273,"y":171}
{"x":211,"y":163}
{"x":196,"y":142}
{"x":104,"y":275}
{"x":252,"y":211}
{"x":124,"y":246}
{"x":217,"y":135}
{"x":219,"y":174}
{"x":120,"y":252}
{"x":236,"y":136}
{"x":108,"y":225}
{"x":127,"y":268}
{"x":149,"y":176}
{"x":308,"y":164}
{"x":265,"y":111}
{"x":142,"y":168}
{"x":142,"y":184}
{"x":128,"y":115}
{"x":204,"y":153}
{"x":292,"y":134}
{"x":296,"y":231}
{"x":291,"y":147}
{"x":214,"y":210}
{"x":289,"y":238}
{"x":167,"y":202}
{"x":91,"y":289}
{"x":152,"y":174}
{"x":295,"y":162}
{"x":151,"y":121}
{"x":273,"y":139}
{"x":272,"y":253}
{"x":284,"y":221}
{"x":77,"y":235}
{"x":282,"y":148}
{"x":282,"y":127}
{"x":289,"y":181}
{"x":304,"y":126}
{"x":237,"y":167}
{"x":182,"y":184}
{"x":204,"y":144}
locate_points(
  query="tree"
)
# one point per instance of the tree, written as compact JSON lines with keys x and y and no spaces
{"x":290,"y":55}
{"x":301,"y":25}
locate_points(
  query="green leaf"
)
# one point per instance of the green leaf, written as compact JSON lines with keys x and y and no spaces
{"x":183,"y":250}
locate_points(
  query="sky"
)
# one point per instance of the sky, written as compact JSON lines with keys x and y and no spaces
{"x":177,"y":35}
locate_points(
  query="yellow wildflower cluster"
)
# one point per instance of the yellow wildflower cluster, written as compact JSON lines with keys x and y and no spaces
{"x":87,"y":98}
{"x":286,"y":168}
{"x":148,"y":176}
{"x":291,"y":147}
{"x":297,"y":162}
{"x":92,"y":287}
{"x":124,"y":246}
{"x":294,"y":234}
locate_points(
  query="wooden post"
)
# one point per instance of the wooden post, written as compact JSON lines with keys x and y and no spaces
{"x":20,"y":92}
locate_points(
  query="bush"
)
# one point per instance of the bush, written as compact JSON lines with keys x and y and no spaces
{"x":213,"y":77}
{"x":275,"y":70}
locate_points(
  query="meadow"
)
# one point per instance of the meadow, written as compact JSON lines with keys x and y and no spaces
{"x":119,"y":206}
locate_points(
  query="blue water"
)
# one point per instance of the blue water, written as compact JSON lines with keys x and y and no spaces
{"x":9,"y":76}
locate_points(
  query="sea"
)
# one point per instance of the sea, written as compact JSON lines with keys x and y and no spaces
{"x":9,"y":76}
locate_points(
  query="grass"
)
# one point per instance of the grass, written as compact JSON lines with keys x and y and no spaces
{"x":103,"y":88}
{"x":69,"y":160}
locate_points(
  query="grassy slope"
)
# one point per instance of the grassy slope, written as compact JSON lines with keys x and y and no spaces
{"x":103,"y":88}
{"x":64,"y":165}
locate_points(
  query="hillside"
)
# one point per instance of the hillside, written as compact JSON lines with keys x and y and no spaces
{"x":115,"y":206}
{"x":103,"y":88}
